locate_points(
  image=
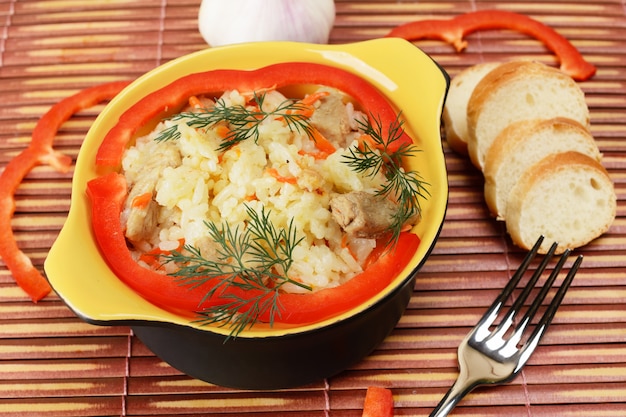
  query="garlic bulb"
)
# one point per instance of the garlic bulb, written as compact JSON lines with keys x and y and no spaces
{"x":223,"y":22}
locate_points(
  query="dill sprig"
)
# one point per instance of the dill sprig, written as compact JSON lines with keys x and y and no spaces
{"x":244,"y":122}
{"x":255,"y":260}
{"x":252,"y":263}
{"x":407,"y":187}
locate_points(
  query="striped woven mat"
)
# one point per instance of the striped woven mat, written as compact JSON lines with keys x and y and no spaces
{"x":53,"y":364}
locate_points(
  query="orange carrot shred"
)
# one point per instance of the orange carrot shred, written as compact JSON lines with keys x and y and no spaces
{"x":307,"y":109}
{"x":142,"y":200}
{"x":222,"y":130}
{"x":316,"y":155}
{"x":274,"y":173}
{"x":312,"y":98}
{"x":364,"y":140}
{"x":195,"y":102}
{"x":344,"y":244}
{"x":323,"y":144}
{"x":250,"y":95}
{"x":152,"y":257}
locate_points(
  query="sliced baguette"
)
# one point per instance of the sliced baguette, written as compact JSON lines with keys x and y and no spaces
{"x":455,"y":109}
{"x":519,"y":90}
{"x":567,"y":197}
{"x":524,"y":143}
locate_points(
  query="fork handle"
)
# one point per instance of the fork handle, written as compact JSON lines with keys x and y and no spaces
{"x":461,"y":387}
{"x":464,"y":382}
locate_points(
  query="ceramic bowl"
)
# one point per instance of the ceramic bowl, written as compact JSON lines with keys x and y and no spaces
{"x":263,"y":358}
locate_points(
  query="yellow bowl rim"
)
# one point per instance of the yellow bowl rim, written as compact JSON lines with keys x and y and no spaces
{"x":396,"y":67}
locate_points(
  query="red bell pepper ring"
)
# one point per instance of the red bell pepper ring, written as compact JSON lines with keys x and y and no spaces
{"x":454,"y":30}
{"x":107,"y":194}
{"x":278,"y":75}
{"x":39,"y":152}
{"x":378,"y":402}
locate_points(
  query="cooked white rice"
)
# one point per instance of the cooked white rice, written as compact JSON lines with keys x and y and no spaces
{"x":194,"y":183}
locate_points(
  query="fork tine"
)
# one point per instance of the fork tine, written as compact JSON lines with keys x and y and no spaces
{"x":481,"y":330}
{"x":507,"y":321}
{"x":510,"y":346}
{"x":487,"y":360}
{"x":547,"y":317}
{"x":532,"y":310}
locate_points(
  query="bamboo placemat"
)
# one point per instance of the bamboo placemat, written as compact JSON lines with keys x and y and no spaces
{"x":53,"y":364}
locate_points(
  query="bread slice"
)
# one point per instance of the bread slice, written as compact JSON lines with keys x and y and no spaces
{"x":455,"y":109}
{"x":524,"y":143}
{"x":567,"y":197}
{"x":519,"y":90}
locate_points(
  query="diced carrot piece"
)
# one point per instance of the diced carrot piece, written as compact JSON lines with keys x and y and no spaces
{"x":378,"y":402}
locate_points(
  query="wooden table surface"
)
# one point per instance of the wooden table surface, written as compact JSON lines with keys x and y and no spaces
{"x":53,"y":364}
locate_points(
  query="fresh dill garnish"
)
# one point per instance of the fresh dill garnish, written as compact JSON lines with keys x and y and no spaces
{"x":406,"y":187}
{"x":243,"y":122}
{"x":255,"y":260}
{"x":251,"y":263}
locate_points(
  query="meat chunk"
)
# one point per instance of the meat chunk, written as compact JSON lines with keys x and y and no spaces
{"x":331,"y":119}
{"x":362,"y":214}
{"x":142,"y":220}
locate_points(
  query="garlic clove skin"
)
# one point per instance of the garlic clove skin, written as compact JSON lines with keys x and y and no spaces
{"x":224,"y":22}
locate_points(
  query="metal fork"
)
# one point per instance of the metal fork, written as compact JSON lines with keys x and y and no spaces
{"x":496,"y":356}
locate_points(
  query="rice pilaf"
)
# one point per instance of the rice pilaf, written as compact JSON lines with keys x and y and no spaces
{"x":192,"y":182}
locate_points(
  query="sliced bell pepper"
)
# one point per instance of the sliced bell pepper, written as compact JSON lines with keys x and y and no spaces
{"x":454,"y":30}
{"x":378,"y":402}
{"x":107,"y":194}
{"x":275,"y":76}
{"x":109,"y":191}
{"x":39,"y":152}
